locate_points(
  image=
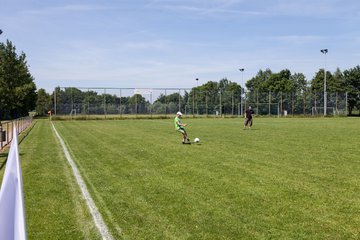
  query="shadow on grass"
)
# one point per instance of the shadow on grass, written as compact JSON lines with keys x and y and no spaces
{"x":5,"y":154}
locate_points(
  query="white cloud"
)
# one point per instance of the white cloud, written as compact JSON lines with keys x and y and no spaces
{"x":204,"y":8}
{"x":151,"y":45}
{"x":65,"y":8}
{"x":317,"y":9}
{"x":299,"y":39}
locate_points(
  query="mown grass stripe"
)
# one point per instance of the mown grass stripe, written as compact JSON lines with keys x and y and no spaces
{"x":99,"y":222}
{"x":284,"y":179}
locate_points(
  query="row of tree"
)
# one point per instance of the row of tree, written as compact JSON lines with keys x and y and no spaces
{"x":17,"y":88}
{"x":290,"y":91}
{"x":73,"y":100}
{"x":18,"y":93}
{"x":296,"y":84}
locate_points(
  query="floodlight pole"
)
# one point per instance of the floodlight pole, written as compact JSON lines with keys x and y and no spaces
{"x":324,"y":51}
{"x":197,"y":85}
{"x":242,"y":89}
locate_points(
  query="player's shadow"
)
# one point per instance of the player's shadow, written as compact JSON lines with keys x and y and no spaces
{"x":3,"y":155}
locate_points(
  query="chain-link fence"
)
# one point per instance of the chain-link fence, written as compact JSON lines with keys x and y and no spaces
{"x":304,"y":103}
{"x":163,"y":102}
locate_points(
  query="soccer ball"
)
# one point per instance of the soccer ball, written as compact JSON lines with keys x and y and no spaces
{"x":197,"y":140}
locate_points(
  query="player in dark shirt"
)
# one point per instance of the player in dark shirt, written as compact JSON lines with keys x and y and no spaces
{"x":248,"y":118}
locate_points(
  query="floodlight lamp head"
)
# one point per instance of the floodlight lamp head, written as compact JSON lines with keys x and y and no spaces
{"x":324,"y":51}
{"x":241,"y":69}
{"x":1,"y":31}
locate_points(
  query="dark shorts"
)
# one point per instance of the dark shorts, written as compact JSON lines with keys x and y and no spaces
{"x":182,"y":130}
{"x":248,"y":121}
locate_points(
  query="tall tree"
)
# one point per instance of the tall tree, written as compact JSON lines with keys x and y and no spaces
{"x":17,"y":87}
{"x":317,"y":83}
{"x":43,"y":102}
{"x":352,"y":82}
{"x":299,"y":82}
{"x":280,"y":84}
{"x":338,"y":84}
{"x":208,"y":94}
{"x":172,"y":98}
{"x":299,"y":92}
{"x":137,"y":104}
{"x":317,"y":86}
{"x":259,"y":82}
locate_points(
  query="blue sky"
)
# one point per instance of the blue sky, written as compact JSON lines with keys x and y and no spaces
{"x":170,"y":43}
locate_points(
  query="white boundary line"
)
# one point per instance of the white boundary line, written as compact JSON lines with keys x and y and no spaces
{"x":99,"y":222}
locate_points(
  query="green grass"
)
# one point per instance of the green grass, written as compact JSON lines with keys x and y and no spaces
{"x":54,"y":208}
{"x":284,"y":179}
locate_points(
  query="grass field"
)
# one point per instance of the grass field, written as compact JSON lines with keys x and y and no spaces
{"x":284,"y":179}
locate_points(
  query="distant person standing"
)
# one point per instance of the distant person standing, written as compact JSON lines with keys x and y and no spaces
{"x":248,"y":118}
{"x":180,"y":127}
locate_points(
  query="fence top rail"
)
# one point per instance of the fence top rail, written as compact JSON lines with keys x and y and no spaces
{"x":184,"y":89}
{"x":6,"y":121}
{"x":90,"y":88}
{"x":16,"y":119}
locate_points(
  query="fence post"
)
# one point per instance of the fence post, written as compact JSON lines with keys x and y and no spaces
{"x":8,"y":133}
{"x":179,"y":101}
{"x":72,"y":102}
{"x":304,"y":106}
{"x":221,"y":105}
{"x":257,"y":100}
{"x":206,"y":103}
{"x":196,"y":102}
{"x":245,"y":93}
{"x":241,"y":101}
{"x":165,"y":105}
{"x":292,"y":103}
{"x":151,"y":106}
{"x":232,"y":108}
{"x":278,"y":111}
{"x":105,"y":103}
{"x":136,"y":107}
{"x":281,"y":102}
{"x":55,"y":101}
{"x":88,"y":104}
{"x":346,"y":103}
{"x":269,"y":103}
{"x":193,"y":107}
